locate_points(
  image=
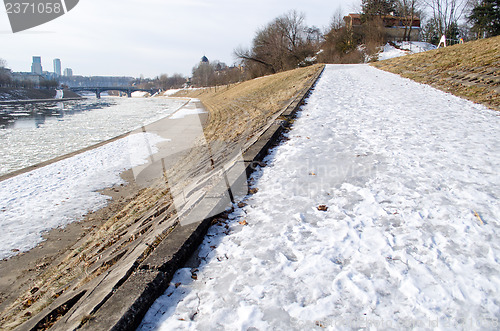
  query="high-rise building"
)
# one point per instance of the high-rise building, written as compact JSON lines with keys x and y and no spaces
{"x":36,"y":66}
{"x":68,"y":72}
{"x":57,"y":67}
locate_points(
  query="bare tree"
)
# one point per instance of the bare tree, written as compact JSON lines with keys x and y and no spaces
{"x":409,"y":10}
{"x":280,"y":45}
{"x":5,"y":74}
{"x":340,"y":42}
{"x":203,"y":74}
{"x":166,"y":82}
{"x":446,"y":13}
{"x":337,"y":20}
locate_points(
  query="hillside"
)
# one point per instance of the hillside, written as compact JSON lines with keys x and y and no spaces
{"x":254,"y":102}
{"x":470,"y":70}
{"x":7,"y":94}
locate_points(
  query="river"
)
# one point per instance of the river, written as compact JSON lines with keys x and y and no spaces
{"x":33,"y":133}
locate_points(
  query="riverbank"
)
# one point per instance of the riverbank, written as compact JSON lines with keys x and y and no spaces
{"x":28,"y":95}
{"x":110,"y":253}
{"x":20,"y":102}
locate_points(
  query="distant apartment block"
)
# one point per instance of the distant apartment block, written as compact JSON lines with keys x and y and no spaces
{"x":28,"y":77}
{"x":68,"y":72}
{"x":57,"y":67}
{"x":36,"y":66}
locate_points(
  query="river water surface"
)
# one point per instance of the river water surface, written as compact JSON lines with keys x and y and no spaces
{"x":33,"y":133}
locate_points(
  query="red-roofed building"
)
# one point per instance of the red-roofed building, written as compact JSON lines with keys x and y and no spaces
{"x":395,"y":26}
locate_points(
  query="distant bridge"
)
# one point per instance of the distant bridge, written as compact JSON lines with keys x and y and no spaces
{"x":127,"y":89}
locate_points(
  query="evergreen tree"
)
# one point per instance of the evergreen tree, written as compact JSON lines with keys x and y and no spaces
{"x":430,"y":32}
{"x":485,"y":17}
{"x":453,"y":32}
{"x":378,"y":7}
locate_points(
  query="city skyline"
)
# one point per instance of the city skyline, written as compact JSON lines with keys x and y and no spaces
{"x":152,"y":37}
{"x":37,"y":68}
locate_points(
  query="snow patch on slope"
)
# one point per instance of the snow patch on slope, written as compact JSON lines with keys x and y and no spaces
{"x":405,"y":48}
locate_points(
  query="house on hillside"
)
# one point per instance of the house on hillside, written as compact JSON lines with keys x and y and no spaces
{"x":396,"y":27}
{"x":352,"y":20}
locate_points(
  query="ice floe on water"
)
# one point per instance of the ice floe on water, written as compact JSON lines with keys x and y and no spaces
{"x":381,"y":211}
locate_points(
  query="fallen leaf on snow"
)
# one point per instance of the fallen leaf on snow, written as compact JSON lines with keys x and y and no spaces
{"x":322,"y":208}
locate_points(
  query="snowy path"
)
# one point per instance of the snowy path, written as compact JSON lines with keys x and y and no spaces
{"x":402,"y":168}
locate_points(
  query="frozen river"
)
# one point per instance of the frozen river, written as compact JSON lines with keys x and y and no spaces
{"x":30,"y":134}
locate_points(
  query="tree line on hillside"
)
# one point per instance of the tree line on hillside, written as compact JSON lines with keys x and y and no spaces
{"x":163,"y":82}
{"x":5,"y":74}
{"x":6,"y":80}
{"x":204,"y":74}
{"x":287,"y":42}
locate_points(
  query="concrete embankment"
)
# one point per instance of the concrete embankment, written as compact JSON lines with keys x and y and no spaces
{"x":20,"y":102}
{"x":110,"y":277}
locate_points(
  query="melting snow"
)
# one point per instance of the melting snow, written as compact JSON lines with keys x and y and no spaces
{"x":405,"y":48}
{"x":64,"y":191}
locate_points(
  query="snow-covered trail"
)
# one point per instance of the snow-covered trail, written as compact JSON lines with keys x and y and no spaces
{"x":403,"y":169}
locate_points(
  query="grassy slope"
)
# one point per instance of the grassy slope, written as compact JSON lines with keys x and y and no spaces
{"x":237,"y":113}
{"x":244,"y":107}
{"x":470,"y":70}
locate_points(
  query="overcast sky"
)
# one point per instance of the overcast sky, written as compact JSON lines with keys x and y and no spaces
{"x":151,"y":37}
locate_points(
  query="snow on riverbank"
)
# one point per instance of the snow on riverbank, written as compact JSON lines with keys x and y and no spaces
{"x":402,"y":169}
{"x":63,"y":192}
{"x":81,"y":124}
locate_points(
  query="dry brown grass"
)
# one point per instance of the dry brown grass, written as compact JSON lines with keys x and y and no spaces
{"x":240,"y":109}
{"x":237,"y":113}
{"x":56,"y":279}
{"x":470,"y":70}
